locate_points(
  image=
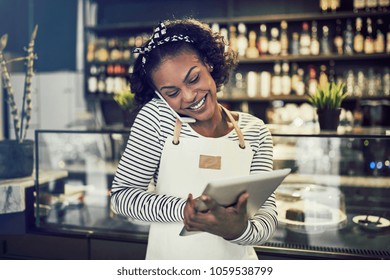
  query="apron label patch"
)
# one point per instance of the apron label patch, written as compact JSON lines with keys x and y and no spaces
{"x":209,"y":162}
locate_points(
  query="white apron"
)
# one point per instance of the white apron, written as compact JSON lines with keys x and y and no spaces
{"x":185,"y":168}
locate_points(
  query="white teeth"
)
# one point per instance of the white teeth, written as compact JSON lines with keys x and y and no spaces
{"x":199,"y":104}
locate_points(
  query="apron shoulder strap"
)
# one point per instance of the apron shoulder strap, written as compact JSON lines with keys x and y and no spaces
{"x":176,"y":131}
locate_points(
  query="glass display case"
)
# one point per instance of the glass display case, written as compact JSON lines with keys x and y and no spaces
{"x":334,"y":204}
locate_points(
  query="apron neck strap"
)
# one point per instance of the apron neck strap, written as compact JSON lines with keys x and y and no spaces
{"x":176,"y":132}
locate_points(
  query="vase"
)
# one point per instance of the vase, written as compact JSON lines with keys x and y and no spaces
{"x":16,"y":159}
{"x":328,"y":119}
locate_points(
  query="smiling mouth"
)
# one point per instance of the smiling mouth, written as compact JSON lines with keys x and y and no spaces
{"x":199,"y":104}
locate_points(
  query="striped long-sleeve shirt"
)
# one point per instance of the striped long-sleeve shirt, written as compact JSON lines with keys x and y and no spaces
{"x":139,"y":165}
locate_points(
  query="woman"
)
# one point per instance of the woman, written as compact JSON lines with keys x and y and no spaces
{"x":187,"y":64}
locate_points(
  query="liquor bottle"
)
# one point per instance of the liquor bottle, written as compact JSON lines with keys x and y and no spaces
{"x":242,"y":40}
{"x":334,"y":5}
{"x":350,"y":82}
{"x":101,"y":84}
{"x":262,"y":43}
{"x":371,"y":85}
{"x":323,"y":79}
{"x":386,"y":81}
{"x":101,"y":51}
{"x":274,"y":46}
{"x":324,"y":6}
{"x":383,"y":5}
{"x":265,"y":84}
{"x":294,"y":78}
{"x":312,"y":83}
{"x":91,"y":51}
{"x":304,"y":40}
{"x":286,"y":79}
{"x":215,"y":27}
{"x":239,"y":85}
{"x":371,"y":5}
{"x":348,"y":38}
{"x":332,"y":74}
{"x":388,"y":40}
{"x":283,"y":38}
{"x":338,"y":40}
{"x":251,"y":88}
{"x":360,"y":88}
{"x":369,"y":39}
{"x":300,"y":85}
{"x":295,"y":44}
{"x":359,"y":5}
{"x":126,"y":49}
{"x":252,"y":51}
{"x":314,"y":44}
{"x":358,"y":40}
{"x":276,"y":82}
{"x":379,"y":43}
{"x":325,"y":45}
{"x":92,"y":79}
{"x":233,"y":37}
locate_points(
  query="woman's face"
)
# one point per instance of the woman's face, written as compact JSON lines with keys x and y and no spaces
{"x":186,"y":84}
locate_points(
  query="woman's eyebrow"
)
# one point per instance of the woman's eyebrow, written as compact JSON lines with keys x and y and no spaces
{"x":185,"y":78}
{"x":188,"y":73}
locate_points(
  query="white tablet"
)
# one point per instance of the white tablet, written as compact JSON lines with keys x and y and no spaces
{"x":259,"y":186}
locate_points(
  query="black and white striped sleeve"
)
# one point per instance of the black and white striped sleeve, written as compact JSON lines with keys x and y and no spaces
{"x":137,"y":166}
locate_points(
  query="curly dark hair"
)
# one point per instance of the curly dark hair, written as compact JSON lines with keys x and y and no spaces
{"x":210,"y":47}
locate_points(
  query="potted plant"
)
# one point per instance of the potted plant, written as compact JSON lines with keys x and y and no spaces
{"x":17,"y":156}
{"x":327,"y":99}
{"x":126,"y":102}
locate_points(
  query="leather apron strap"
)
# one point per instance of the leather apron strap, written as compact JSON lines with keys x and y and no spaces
{"x":176,"y":132}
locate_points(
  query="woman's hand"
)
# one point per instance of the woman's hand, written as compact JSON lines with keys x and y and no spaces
{"x":227,"y":222}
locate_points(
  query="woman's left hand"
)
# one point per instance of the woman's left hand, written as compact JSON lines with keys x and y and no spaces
{"x":227,"y":222}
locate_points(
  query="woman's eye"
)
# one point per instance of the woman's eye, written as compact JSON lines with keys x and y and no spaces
{"x":195,"y":79}
{"x":172,"y":94}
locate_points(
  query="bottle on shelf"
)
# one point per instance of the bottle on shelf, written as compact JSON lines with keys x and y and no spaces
{"x":325,"y":44}
{"x":300,"y":84}
{"x":239,"y":85}
{"x":276,"y":82}
{"x":295,"y":44}
{"x":251,"y":88}
{"x":252,"y":51}
{"x":359,"y":5}
{"x":338,"y":40}
{"x":324,"y":6}
{"x":379,"y":43}
{"x":274,"y":46}
{"x":360,"y":87}
{"x":371,"y":85}
{"x":233,"y":37}
{"x":286,"y":79}
{"x":371,"y":5}
{"x":334,"y":5}
{"x":348,"y":38}
{"x":314,"y":44}
{"x":312,"y":82}
{"x":283,"y":38}
{"x":262,"y":43}
{"x":383,"y":5}
{"x":92,"y":79}
{"x":369,"y":39}
{"x":386,"y":81}
{"x":323,"y":78}
{"x":388,"y":40}
{"x":350,"y":82}
{"x":358,"y":40}
{"x":304,"y":40}
{"x":265,"y":84}
{"x":242,"y":40}
{"x":294,"y":78}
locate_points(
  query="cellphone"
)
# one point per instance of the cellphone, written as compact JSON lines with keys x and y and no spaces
{"x":181,"y":118}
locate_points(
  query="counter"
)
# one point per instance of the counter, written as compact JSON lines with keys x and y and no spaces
{"x":354,"y":165}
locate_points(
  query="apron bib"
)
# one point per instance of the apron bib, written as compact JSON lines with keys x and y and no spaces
{"x":186,"y":167}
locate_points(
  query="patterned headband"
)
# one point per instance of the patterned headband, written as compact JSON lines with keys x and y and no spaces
{"x":156,"y":40}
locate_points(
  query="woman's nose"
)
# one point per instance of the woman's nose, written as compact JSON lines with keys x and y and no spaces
{"x":189,"y":95}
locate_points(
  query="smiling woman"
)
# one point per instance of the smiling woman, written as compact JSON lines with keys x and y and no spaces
{"x":186,"y":64}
